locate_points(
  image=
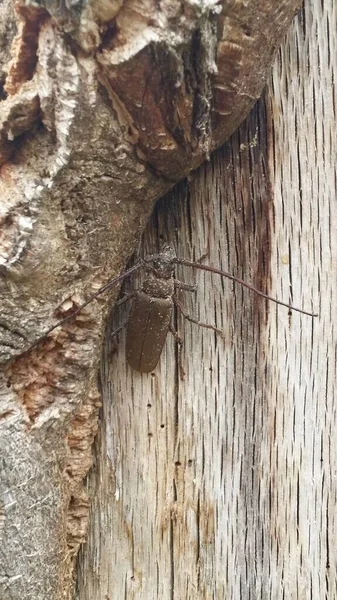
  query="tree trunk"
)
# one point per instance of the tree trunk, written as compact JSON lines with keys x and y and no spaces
{"x":214,"y":475}
{"x":104,"y":107}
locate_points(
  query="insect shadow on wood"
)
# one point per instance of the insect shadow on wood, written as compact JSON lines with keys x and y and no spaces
{"x":152,"y":305}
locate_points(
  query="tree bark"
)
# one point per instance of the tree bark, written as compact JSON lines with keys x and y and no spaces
{"x":103,"y":109}
{"x":214,"y":475}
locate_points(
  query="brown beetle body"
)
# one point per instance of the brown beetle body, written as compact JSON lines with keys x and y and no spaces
{"x":150,"y":315}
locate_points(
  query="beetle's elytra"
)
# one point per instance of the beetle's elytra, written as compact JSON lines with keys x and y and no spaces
{"x":148,"y":325}
{"x":150,"y":314}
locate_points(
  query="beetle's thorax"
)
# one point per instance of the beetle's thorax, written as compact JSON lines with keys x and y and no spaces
{"x":158,"y":287}
{"x":159,"y":281}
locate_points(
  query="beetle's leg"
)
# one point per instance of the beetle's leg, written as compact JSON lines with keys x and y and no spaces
{"x":202,"y":257}
{"x":192,"y":320}
{"x":119,"y":328}
{"x":175,"y":334}
{"x":125,"y":298}
{"x":180,"y":343}
{"x":181,"y":285}
{"x":119,"y":302}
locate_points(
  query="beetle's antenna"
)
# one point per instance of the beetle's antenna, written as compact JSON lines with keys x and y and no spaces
{"x":107,"y":286}
{"x":188,"y":263}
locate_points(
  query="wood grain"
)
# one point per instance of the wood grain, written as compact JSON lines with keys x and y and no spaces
{"x":104,"y":107}
{"x":216,"y":473}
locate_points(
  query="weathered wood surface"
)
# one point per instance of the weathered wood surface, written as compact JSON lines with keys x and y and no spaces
{"x":215,"y":475}
{"x":104,"y":106}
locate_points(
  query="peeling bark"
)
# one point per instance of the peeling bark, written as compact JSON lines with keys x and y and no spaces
{"x":103,"y":110}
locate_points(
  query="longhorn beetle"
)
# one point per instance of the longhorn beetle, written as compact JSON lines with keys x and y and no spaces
{"x":151,"y":312}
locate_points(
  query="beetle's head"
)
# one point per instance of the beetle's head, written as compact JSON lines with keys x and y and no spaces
{"x":162,"y":264}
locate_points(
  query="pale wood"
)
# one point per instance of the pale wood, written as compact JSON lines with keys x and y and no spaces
{"x":215,"y":475}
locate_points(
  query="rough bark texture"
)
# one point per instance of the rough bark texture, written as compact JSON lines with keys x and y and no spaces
{"x":103,"y":109}
{"x":215,"y":474}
